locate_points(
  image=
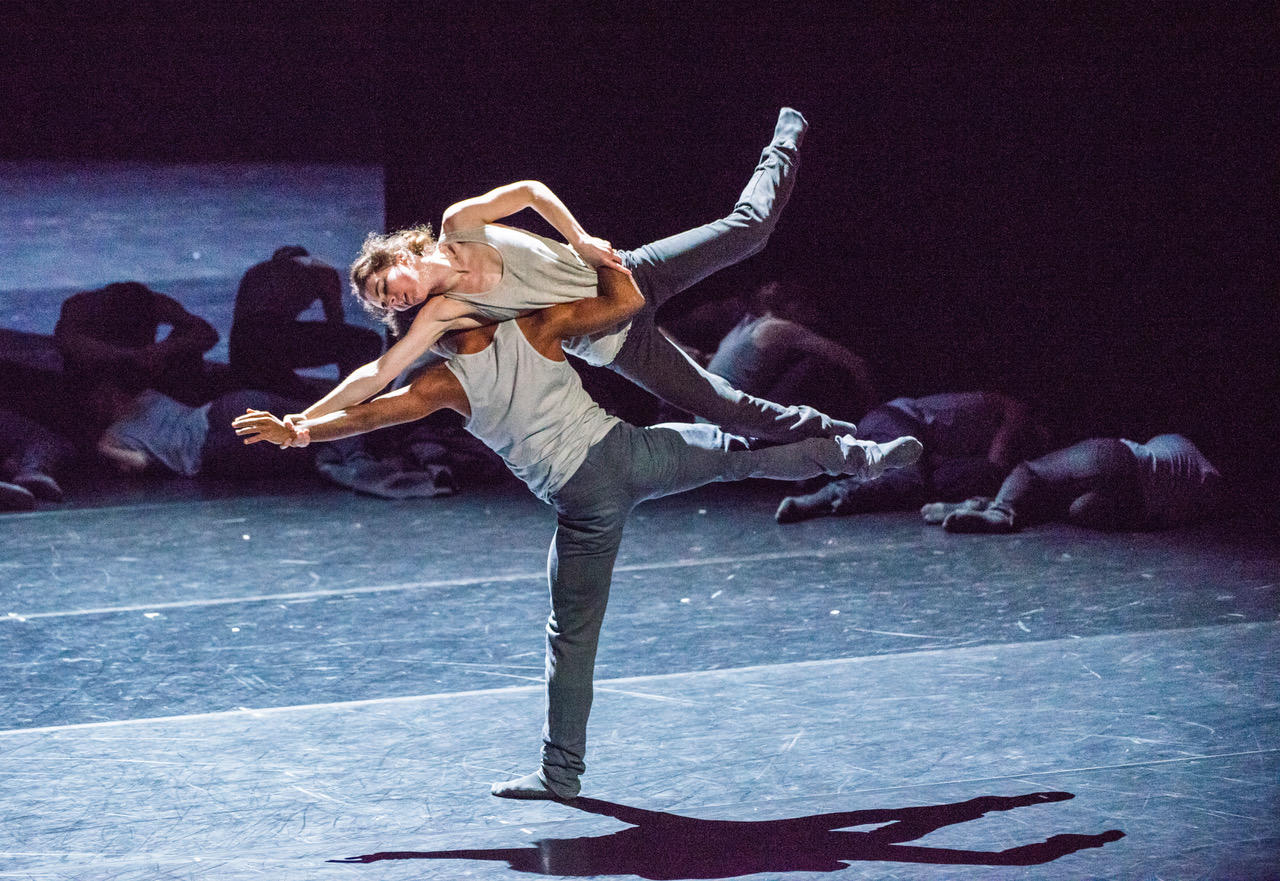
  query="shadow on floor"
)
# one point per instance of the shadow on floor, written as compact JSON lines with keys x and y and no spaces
{"x":667,"y":846}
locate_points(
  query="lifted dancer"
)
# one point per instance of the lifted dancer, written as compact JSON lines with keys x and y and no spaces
{"x":480,"y":272}
{"x":522,"y":398}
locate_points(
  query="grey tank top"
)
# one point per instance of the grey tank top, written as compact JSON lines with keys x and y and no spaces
{"x":530,"y":410}
{"x":168,"y":431}
{"x":537,"y":272}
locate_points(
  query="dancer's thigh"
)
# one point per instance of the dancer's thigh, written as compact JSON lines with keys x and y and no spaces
{"x":656,"y":364}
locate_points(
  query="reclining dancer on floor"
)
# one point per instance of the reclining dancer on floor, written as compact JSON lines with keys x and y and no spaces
{"x":480,"y":272}
{"x":525,"y":401}
{"x":1104,"y":483}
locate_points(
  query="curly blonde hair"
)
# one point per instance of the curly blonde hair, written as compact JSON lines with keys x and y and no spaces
{"x":378,"y":252}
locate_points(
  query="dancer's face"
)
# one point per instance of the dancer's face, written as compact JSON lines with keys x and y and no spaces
{"x":408,"y":282}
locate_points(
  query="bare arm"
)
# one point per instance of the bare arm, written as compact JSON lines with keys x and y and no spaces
{"x":191,"y":334}
{"x":617,"y":300}
{"x":439,"y":316}
{"x":434,"y":389}
{"x":512,"y":198}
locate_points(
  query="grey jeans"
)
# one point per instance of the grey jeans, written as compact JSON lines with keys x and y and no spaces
{"x":668,"y":266}
{"x":626,"y":467}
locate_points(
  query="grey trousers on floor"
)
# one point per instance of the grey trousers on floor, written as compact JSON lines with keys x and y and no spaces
{"x":628,"y":466}
{"x":668,"y":266}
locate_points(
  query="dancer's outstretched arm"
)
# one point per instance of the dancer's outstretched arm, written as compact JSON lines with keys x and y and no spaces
{"x":438,"y":316}
{"x":434,"y":389}
{"x":437,"y":388}
{"x":513,"y":198}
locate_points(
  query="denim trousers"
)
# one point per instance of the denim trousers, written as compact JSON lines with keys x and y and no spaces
{"x":623,"y":469}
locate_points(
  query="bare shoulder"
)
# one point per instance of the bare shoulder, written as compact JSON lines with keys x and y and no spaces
{"x":543,"y":331}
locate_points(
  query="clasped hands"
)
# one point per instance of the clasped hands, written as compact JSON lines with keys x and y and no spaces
{"x":259,"y":425}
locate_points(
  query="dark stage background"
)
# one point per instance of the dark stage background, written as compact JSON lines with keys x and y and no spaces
{"x":1074,"y":206}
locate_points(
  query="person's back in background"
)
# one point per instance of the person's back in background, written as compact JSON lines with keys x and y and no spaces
{"x":268,"y":341}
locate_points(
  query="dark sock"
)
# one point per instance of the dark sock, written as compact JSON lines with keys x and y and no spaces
{"x":42,"y":486}
{"x":822,"y":503}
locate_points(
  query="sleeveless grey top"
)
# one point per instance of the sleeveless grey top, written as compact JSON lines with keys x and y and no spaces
{"x":168,"y":431}
{"x":530,"y":410}
{"x":537,"y":272}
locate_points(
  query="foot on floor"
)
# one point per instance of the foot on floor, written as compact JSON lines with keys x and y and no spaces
{"x":935,"y":512}
{"x":996,"y":518}
{"x":527,"y":788}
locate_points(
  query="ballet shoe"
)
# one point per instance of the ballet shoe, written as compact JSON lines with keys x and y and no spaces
{"x":790,"y":128}
{"x":867,"y":460}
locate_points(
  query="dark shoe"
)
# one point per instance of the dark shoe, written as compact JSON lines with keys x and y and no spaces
{"x":42,"y":486}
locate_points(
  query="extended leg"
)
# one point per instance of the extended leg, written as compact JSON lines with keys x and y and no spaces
{"x":668,"y":266}
{"x":679,"y":458}
{"x":592,"y":509}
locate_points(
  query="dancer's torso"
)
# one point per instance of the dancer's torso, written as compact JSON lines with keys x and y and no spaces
{"x":529,"y":409}
{"x":521,"y":272}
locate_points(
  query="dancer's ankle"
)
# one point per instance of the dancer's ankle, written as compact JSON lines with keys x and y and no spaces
{"x":790,"y":128}
{"x":530,"y":787}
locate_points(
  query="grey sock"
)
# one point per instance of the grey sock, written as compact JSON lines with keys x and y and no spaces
{"x":528,"y":788}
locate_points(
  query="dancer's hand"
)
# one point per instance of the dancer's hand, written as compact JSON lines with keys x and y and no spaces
{"x":598,"y":252}
{"x":259,"y":425}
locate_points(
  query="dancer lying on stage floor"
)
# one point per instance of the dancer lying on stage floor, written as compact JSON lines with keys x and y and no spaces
{"x":524,"y":400}
{"x":971,"y":441}
{"x":1102,"y":483}
{"x":481,"y":272}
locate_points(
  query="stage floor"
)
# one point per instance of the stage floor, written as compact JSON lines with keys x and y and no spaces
{"x":303,"y":683}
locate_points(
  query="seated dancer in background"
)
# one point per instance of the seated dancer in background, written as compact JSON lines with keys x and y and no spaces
{"x":116,"y":327}
{"x":268,"y":342}
{"x":523,"y":399}
{"x":1101,"y":483}
{"x":774,"y":353}
{"x":481,"y":272}
{"x":971,"y":440}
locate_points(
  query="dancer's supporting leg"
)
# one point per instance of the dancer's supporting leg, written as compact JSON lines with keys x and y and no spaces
{"x":628,"y":466}
{"x":668,"y":266}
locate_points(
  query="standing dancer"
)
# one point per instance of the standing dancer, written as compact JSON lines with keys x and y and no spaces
{"x":481,"y":272}
{"x":522,"y":398}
